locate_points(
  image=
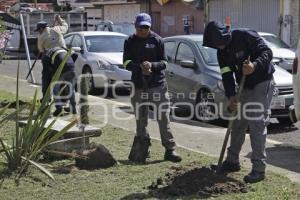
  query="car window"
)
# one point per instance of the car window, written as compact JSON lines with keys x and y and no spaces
{"x":106,"y":28}
{"x":169,"y":48}
{"x":68,"y":40}
{"x":77,"y":41}
{"x":209,"y":54}
{"x":184,"y":52}
{"x":105,"y":43}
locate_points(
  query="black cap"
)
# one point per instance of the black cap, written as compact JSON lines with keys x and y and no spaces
{"x":41,"y":24}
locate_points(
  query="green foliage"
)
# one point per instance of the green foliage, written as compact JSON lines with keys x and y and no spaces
{"x":2,"y":27}
{"x":34,"y":137}
{"x":2,"y":30}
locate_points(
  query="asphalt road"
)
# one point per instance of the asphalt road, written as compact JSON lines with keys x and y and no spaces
{"x":283,"y":134}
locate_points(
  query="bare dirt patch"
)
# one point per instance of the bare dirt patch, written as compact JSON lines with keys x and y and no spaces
{"x":190,"y":181}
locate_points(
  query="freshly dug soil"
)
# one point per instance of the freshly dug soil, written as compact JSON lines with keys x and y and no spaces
{"x":97,"y":156}
{"x":202,"y":182}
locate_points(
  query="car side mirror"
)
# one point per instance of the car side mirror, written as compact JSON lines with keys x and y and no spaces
{"x":77,"y":49}
{"x":187,"y":64}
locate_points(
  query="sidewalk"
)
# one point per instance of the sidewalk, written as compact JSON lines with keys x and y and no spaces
{"x":192,"y":135}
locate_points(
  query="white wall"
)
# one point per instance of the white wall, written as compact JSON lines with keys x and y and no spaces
{"x":261,"y":15}
{"x":121,"y":13}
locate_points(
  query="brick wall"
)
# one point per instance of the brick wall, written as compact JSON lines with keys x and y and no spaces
{"x":6,"y":4}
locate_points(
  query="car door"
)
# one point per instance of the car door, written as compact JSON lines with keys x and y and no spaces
{"x":170,"y":49}
{"x":68,"y":40}
{"x":81,"y":60}
{"x":180,"y":76}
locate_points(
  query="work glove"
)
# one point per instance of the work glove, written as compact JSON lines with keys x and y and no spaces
{"x":146,"y":68}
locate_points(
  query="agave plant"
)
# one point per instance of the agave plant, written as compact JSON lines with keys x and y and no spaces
{"x":30,"y":141}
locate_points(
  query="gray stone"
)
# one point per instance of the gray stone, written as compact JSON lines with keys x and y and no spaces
{"x":73,"y":137}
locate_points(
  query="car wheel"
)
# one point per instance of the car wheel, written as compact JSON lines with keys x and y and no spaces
{"x":286,"y":121}
{"x":91,"y":87}
{"x":204,"y":109}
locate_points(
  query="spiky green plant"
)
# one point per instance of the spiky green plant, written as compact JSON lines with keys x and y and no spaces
{"x":2,"y":30}
{"x":30,"y":141}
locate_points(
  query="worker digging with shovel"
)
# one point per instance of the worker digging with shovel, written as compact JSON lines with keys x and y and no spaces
{"x":234,"y":48}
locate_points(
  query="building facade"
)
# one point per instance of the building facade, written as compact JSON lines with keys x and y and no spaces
{"x":176,"y":17}
{"x":280,"y":17}
{"x":112,"y":10}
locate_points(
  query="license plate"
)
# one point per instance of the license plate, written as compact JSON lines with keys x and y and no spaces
{"x":278,"y":103}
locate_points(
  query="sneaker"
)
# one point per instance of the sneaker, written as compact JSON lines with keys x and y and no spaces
{"x":172,"y":156}
{"x":228,"y":167}
{"x":57,"y":112}
{"x":254,"y":177}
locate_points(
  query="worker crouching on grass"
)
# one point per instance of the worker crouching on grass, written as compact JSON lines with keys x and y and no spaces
{"x":144,"y":56}
{"x":50,"y":37}
{"x":234,"y":47}
{"x":63,"y":90}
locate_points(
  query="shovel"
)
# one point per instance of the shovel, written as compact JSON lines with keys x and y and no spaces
{"x":32,"y":66}
{"x":230,"y":124}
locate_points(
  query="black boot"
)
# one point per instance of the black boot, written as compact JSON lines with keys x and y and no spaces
{"x":140,"y":149}
{"x":228,"y":167}
{"x":67,"y":109}
{"x":172,"y":156}
{"x":57,"y":112}
{"x":74,"y":111}
{"x":254,"y":177}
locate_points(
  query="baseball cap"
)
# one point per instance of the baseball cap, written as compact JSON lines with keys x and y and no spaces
{"x":143,"y":19}
{"x":41,"y":24}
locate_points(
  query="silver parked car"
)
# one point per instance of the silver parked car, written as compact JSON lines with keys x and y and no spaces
{"x":283,"y":55}
{"x":99,"y":53}
{"x":193,"y":76}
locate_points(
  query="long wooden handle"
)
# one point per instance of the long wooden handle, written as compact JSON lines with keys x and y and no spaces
{"x":230,"y":124}
{"x":32,"y":66}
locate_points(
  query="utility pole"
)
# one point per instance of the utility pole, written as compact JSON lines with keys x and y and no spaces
{"x":206,"y":12}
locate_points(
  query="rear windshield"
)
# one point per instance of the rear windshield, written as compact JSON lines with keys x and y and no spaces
{"x":107,"y":43}
{"x":275,"y":42}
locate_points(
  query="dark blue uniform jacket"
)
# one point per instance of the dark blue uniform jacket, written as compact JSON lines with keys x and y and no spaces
{"x":136,"y":51}
{"x":240,"y":44}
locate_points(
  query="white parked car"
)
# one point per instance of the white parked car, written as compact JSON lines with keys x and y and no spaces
{"x":100,"y":55}
{"x":283,"y":55}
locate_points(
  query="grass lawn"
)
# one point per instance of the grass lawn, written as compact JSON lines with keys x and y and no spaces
{"x":123,"y":181}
